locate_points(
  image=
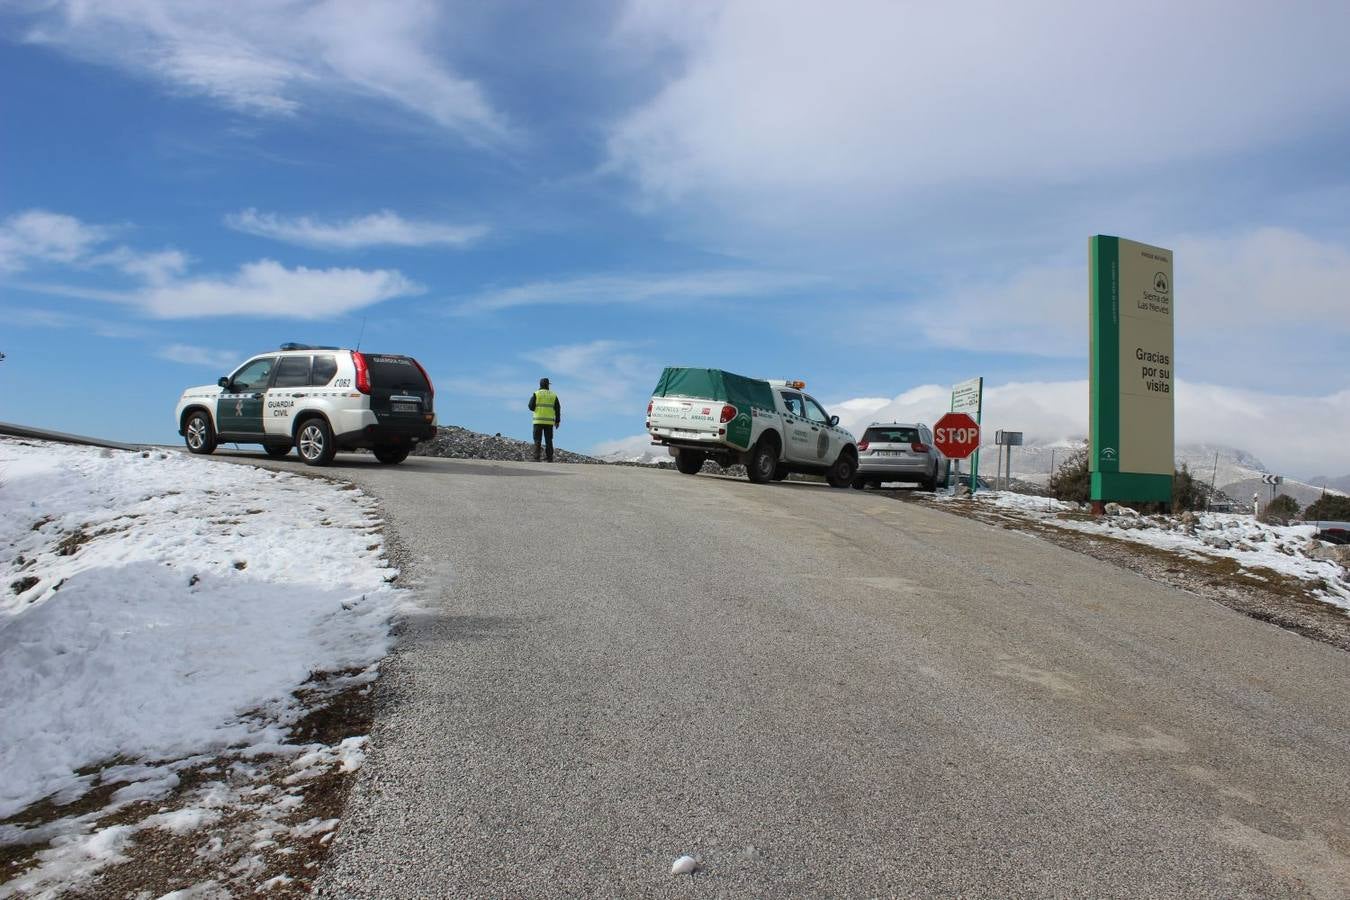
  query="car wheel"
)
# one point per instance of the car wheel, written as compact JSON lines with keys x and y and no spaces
{"x":841,"y":473}
{"x":391,"y":456}
{"x":276,"y":451}
{"x":199,"y":435}
{"x":690,"y":462}
{"x":315,"y":443}
{"x":763,"y":461}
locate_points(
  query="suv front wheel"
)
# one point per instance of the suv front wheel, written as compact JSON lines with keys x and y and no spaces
{"x":198,"y":433}
{"x":314,"y":442}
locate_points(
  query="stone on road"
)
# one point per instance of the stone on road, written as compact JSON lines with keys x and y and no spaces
{"x":819,"y":693}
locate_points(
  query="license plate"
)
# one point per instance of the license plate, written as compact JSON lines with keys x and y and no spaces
{"x":405,"y":407}
{"x":890,"y":453}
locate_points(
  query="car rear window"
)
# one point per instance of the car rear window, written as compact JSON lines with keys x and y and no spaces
{"x":395,"y":372}
{"x":892,"y":436}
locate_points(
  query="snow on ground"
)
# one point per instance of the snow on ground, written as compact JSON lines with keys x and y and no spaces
{"x":157,"y":609}
{"x":1240,"y":537}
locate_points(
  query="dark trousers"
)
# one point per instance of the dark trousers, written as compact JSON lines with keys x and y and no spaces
{"x":545,"y":432}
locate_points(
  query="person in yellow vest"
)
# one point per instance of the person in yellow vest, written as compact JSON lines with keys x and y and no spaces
{"x":547,"y":409}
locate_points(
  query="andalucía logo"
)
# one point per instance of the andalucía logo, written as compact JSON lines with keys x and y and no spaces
{"x":1109,"y":453}
{"x":1160,"y":282}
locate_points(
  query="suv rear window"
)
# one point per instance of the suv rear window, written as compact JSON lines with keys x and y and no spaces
{"x":395,"y":372}
{"x":892,"y":436}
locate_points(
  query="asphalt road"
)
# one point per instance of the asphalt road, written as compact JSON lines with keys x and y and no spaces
{"x":819,"y":693}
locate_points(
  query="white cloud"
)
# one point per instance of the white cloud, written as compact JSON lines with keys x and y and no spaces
{"x":220,"y":360}
{"x":1302,"y":435}
{"x":263,"y":57}
{"x":639,"y":289}
{"x":778,"y":102}
{"x":382,"y":228}
{"x":268,"y":289}
{"x":37,"y":235}
{"x":264,"y":288}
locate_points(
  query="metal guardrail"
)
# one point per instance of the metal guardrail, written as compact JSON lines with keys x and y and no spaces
{"x":43,"y":434}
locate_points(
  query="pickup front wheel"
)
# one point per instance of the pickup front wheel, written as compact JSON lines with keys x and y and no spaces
{"x":841,"y":473}
{"x":763,"y":462}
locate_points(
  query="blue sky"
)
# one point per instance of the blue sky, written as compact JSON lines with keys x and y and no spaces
{"x":881,"y":198}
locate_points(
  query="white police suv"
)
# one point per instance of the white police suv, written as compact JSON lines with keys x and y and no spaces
{"x":318,"y":400}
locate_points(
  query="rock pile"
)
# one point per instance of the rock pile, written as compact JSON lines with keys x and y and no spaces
{"x":460,"y":443}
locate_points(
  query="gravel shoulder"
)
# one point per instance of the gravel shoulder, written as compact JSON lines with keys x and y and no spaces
{"x":818,"y":692}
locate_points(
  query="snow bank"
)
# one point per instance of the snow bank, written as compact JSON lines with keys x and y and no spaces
{"x":156,"y":606}
{"x":1242,"y":538}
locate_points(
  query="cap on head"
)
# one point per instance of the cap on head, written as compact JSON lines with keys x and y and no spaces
{"x":543,"y":382}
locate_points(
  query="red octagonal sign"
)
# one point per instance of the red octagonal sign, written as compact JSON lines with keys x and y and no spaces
{"x":956,"y":435}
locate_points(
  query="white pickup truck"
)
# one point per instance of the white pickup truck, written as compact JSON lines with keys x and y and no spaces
{"x":771,"y":427}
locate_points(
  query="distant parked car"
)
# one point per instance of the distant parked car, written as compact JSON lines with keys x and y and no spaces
{"x":316,"y":399}
{"x":1333,"y":532}
{"x":899,"y":451}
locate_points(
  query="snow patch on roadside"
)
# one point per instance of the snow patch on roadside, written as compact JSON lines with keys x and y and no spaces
{"x":158,"y":610}
{"x":1242,"y":538}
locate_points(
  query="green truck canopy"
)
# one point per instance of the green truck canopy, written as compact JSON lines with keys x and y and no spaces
{"x":715,"y":384}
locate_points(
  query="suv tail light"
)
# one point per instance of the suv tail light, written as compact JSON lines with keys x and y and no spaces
{"x":362,"y":372}
{"x":862,"y":446}
{"x":919,"y":447}
{"x":649,"y":409}
{"x":431,"y":389}
{"x":728,"y":413}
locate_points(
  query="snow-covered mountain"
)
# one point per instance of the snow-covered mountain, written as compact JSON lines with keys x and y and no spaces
{"x":1237,"y":473}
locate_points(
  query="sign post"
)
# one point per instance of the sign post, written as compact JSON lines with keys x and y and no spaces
{"x":1009,"y":439}
{"x":968,"y":398}
{"x":956,"y":436}
{"x":1131,"y":385}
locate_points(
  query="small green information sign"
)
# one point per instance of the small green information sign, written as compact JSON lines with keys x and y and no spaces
{"x":1132,"y":453}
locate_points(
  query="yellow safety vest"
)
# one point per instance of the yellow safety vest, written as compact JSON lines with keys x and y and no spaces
{"x":545,"y":407}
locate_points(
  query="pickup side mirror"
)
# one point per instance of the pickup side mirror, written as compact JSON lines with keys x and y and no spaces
{"x":834,"y":421}
{"x":224,"y":381}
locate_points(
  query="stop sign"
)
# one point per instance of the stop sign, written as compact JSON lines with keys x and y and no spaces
{"x":956,"y":435}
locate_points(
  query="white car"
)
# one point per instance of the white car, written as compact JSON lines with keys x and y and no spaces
{"x":318,"y":400}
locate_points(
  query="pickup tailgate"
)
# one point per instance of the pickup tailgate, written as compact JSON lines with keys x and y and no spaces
{"x":684,"y":417}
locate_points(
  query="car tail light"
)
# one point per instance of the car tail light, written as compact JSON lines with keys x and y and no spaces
{"x":431,"y":390}
{"x":862,"y":446}
{"x":728,"y":413}
{"x":919,"y":447}
{"x":649,"y":409}
{"x":362,"y":372}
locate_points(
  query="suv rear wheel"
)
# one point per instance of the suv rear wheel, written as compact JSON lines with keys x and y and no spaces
{"x":314,"y":441}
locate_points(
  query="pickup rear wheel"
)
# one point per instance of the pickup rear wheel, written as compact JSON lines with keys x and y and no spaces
{"x":763,"y":461}
{"x":841,"y":473}
{"x":690,"y":462}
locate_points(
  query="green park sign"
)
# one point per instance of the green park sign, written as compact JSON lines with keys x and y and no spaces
{"x":1132,"y":386}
